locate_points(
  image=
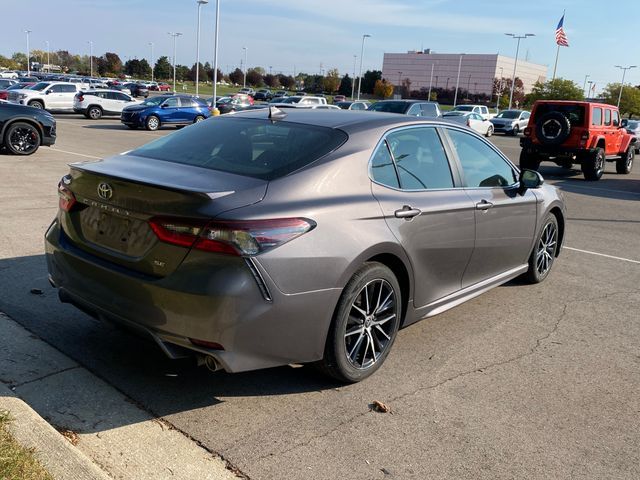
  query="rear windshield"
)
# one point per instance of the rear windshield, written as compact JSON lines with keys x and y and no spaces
{"x":392,"y":107}
{"x":464,"y":108}
{"x":575,"y":113}
{"x":244,"y":146}
{"x":508,"y":114}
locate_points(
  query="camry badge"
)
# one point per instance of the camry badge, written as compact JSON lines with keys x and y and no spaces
{"x":105,"y":191}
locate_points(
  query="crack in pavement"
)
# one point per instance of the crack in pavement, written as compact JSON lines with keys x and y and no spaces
{"x":17,"y":385}
{"x":489,"y":366}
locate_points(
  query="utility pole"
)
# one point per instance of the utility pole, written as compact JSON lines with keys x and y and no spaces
{"x":515,"y":63}
{"x":28,"y":53}
{"x":175,"y":35}
{"x":624,"y":71}
{"x":430,"y":82}
{"x":361,"y":55}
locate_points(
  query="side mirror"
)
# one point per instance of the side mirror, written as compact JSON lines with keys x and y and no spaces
{"x":164,"y":105}
{"x":624,"y":122}
{"x":529,"y":179}
{"x":616,"y":123}
{"x":47,"y":92}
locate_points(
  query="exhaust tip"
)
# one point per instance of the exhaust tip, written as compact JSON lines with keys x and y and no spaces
{"x":211,"y":363}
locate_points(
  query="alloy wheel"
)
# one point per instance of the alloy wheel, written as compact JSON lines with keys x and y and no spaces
{"x":24,"y":139}
{"x":546,"y":250}
{"x":369,"y":328}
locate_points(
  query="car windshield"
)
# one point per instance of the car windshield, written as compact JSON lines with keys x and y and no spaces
{"x":344,"y":105}
{"x":40,"y":86}
{"x":154,"y":101}
{"x":575,"y":113}
{"x":464,"y":108}
{"x":392,"y":107}
{"x":290,"y":100}
{"x":508,"y":114}
{"x":633,"y":125}
{"x":454,"y":114}
{"x":224,"y":100}
{"x":246,"y":146}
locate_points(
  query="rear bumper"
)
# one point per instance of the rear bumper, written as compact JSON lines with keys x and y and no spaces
{"x":556,"y":151}
{"x":209,"y":297}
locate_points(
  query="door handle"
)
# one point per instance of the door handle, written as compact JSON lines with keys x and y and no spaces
{"x":407,"y":212}
{"x":484,"y":205}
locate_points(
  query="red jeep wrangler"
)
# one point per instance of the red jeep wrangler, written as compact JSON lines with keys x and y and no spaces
{"x":571,"y":132}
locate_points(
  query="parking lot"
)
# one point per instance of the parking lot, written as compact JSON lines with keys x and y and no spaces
{"x":525,"y":381}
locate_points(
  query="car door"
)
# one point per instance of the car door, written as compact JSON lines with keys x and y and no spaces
{"x":619,"y":133}
{"x":524,"y":120}
{"x":477,"y":123}
{"x":505,"y":219}
{"x":67,"y":94}
{"x":54,"y":97}
{"x":170,"y":110}
{"x":432,"y":218}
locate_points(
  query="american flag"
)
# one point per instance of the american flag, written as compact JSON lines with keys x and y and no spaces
{"x":561,"y":38}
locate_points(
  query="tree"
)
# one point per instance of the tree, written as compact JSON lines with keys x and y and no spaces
{"x":406,"y":88}
{"x":346,"y":84}
{"x":287,"y":81}
{"x":254,"y":77}
{"x":20,"y":59}
{"x":383,"y":89}
{"x":111,"y":63}
{"x":369,"y":80}
{"x":236,"y":77}
{"x":558,"y":89}
{"x":163,"y":68}
{"x":271,"y":81}
{"x":504,"y":86}
{"x":629,"y":102}
{"x":331,"y":81}
{"x":202,"y":73}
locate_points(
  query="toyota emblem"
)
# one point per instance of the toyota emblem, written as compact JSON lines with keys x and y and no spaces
{"x":105,"y":191}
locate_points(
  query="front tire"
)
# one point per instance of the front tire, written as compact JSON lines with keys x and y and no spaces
{"x":593,"y":165}
{"x":544,"y":252}
{"x":625,"y":163}
{"x":198,"y":118}
{"x":22,"y":139}
{"x":152,"y":123}
{"x":364,"y":326}
{"x":36,"y":104}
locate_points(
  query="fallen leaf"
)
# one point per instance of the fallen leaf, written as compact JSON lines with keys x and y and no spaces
{"x":379,"y":407}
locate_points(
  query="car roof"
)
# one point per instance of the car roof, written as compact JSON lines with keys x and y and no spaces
{"x":348,"y":120}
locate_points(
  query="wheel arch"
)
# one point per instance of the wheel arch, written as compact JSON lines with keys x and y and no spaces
{"x":557,"y":212}
{"x":28,"y":120}
{"x":401,"y":272}
{"x":39,"y":100}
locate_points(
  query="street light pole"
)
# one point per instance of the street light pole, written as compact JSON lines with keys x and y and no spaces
{"x":28,"y":53}
{"x":399,"y":86}
{"x":200,"y":3}
{"x":48,"y":60}
{"x":90,"y":58}
{"x":499,"y":90}
{"x":584,"y":86}
{"x":175,"y":35}
{"x":152,"y":63}
{"x":455,"y":97}
{"x":353,"y":80}
{"x":215,"y":60}
{"x":515,"y":63}
{"x":361,"y":55}
{"x":624,"y":71}
{"x":430,"y":82}
{"x":244,"y":81}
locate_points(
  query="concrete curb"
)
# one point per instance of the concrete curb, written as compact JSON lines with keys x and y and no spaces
{"x":61,"y":459}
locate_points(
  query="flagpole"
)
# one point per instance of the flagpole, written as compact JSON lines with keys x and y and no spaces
{"x":555,"y":66}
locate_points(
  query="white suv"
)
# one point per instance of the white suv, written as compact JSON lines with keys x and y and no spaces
{"x":47,"y":95}
{"x":94,"y":104}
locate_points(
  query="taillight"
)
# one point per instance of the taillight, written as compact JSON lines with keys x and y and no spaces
{"x":80,"y":97}
{"x":249,"y":237}
{"x":468,"y":122}
{"x":584,"y":138}
{"x":66,"y":198}
{"x":527,"y":132}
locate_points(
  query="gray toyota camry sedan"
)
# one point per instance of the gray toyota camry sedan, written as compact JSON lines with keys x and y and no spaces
{"x":300,"y":236}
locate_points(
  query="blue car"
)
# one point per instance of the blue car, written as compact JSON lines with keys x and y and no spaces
{"x":165,"y":110}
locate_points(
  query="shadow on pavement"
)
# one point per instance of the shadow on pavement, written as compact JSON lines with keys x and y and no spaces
{"x":132,"y":364}
{"x":611,"y":185}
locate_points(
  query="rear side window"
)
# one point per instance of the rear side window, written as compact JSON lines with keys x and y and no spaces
{"x":596,"y":116}
{"x":607,"y":117}
{"x":429,"y":110}
{"x":420,"y":159}
{"x":246,"y":146}
{"x":616,"y":118}
{"x":382,"y":169}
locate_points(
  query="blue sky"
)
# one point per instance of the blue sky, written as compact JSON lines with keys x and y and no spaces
{"x":307,"y":33}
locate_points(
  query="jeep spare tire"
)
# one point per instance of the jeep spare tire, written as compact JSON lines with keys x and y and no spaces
{"x":552,"y":128}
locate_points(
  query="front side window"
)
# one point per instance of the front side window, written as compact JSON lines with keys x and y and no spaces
{"x":171,"y":102}
{"x":481,"y":164}
{"x":420,"y":159}
{"x":616,"y":118}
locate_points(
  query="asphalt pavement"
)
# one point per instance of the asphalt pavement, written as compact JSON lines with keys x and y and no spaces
{"x":524,"y":381}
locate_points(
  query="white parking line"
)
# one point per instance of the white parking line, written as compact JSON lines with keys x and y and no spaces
{"x":603,"y":255}
{"x":78,"y":154}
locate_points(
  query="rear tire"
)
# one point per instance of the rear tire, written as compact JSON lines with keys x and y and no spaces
{"x":544,"y":251}
{"x":529,"y":161}
{"x":593,"y":165}
{"x":489,"y":132}
{"x":152,"y":123}
{"x":36,"y":104}
{"x":94,"y":113}
{"x":515,"y":131}
{"x":625,"y":163}
{"x":22,"y":138}
{"x":364,"y":325}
